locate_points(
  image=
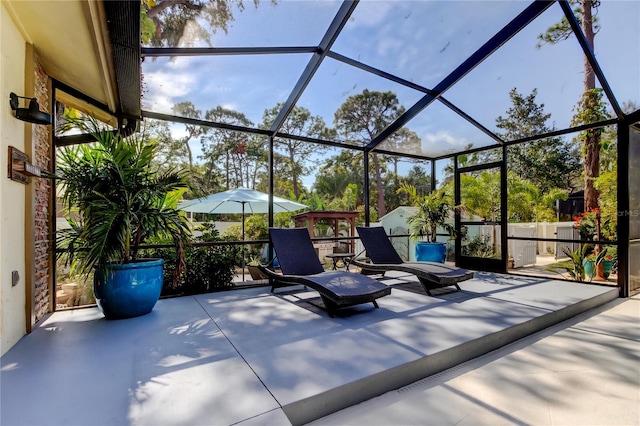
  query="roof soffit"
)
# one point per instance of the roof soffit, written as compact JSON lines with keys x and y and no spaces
{"x":69,"y":39}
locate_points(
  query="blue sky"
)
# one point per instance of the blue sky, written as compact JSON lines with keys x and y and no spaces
{"x":420,"y":41}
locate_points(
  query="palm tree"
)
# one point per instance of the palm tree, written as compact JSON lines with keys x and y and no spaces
{"x":115,"y":199}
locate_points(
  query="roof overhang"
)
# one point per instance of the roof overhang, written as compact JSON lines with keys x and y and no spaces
{"x":75,"y":42}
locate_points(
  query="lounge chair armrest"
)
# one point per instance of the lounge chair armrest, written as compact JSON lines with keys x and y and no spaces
{"x":271,"y":273}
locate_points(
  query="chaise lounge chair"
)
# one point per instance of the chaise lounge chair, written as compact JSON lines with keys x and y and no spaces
{"x":299,"y":264}
{"x":384,"y":257}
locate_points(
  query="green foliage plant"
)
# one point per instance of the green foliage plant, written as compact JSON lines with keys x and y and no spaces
{"x":576,"y":267}
{"x":479,"y":246}
{"x":607,"y":186}
{"x":480,"y":194}
{"x":254,"y":261}
{"x":208,"y":267}
{"x":115,"y":200}
{"x":587,"y":224}
{"x":434,"y":210}
{"x":348,"y":200}
{"x":591,"y":108}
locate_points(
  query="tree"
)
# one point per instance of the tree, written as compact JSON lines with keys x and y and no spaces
{"x":188,"y":109}
{"x":464,"y":160}
{"x":313,"y":200}
{"x":361,"y":118}
{"x":178,"y":22}
{"x":480,"y":194}
{"x":282,"y":186}
{"x":591,"y":109}
{"x":607,"y":182}
{"x":298,"y":154}
{"x":590,"y":106}
{"x":434,"y":210}
{"x":419,"y":179}
{"x":171,"y":152}
{"x":229,"y":151}
{"x":527,"y":203}
{"x":348,"y":200}
{"x":405,"y":141}
{"x":544,"y":205}
{"x":337,"y":173}
{"x":174,"y":154}
{"x":547,"y":163}
{"x":255,"y":165}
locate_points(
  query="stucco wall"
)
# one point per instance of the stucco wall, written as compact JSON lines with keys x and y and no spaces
{"x":24,"y":230}
{"x":12,"y":194}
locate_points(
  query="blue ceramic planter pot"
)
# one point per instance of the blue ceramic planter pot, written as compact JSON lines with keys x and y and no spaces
{"x":589,"y":268}
{"x":431,"y":252}
{"x":607,"y":267}
{"x":130,"y":290}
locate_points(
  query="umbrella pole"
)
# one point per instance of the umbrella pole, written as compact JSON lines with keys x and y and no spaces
{"x":242,"y":242}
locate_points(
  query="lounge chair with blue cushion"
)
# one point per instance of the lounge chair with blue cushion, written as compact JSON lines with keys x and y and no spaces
{"x":299,"y":264}
{"x":384,"y":257}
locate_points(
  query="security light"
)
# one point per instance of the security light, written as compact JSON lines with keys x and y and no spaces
{"x":31,"y":114}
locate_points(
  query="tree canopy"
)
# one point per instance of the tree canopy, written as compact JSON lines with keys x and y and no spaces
{"x":547,"y":163}
{"x":174,"y":22}
{"x":361,"y":118}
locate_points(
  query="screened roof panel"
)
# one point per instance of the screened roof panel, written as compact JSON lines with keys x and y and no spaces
{"x":285,"y":23}
{"x":335,"y":82}
{"x":248,"y":84}
{"x":555,"y":71}
{"x":421,"y":41}
{"x":418,"y":41}
{"x":440,"y":131}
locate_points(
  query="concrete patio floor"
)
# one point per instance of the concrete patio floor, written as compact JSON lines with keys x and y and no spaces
{"x":248,"y":357}
{"x":583,"y":371}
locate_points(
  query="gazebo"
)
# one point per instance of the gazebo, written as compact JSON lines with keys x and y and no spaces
{"x":310,"y":219}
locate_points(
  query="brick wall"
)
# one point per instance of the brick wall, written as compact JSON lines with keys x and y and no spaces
{"x":42,"y":158}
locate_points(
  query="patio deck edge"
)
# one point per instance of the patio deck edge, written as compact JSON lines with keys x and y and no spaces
{"x":325,"y":403}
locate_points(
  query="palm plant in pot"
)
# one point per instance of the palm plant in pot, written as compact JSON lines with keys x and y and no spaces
{"x":434,"y":210}
{"x":115,"y":200}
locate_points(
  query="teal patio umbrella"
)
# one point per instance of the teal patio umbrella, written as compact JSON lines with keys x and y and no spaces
{"x":239,"y":200}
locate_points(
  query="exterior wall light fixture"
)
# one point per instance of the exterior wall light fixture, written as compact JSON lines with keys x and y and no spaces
{"x":31,"y":114}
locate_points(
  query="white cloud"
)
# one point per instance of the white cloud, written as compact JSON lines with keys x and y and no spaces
{"x":372,"y":15}
{"x":162,"y":89}
{"x":442,"y":141}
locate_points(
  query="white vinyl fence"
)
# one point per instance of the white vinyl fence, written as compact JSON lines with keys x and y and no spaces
{"x":523,"y":252}
{"x":565,"y":230}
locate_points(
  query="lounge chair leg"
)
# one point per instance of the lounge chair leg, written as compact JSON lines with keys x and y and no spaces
{"x":329,"y":306}
{"x":425,"y":285}
{"x":428,"y":286}
{"x":375,"y":304}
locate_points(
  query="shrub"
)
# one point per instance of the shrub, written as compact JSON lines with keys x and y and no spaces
{"x":209,"y":268}
{"x":478,"y":246}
